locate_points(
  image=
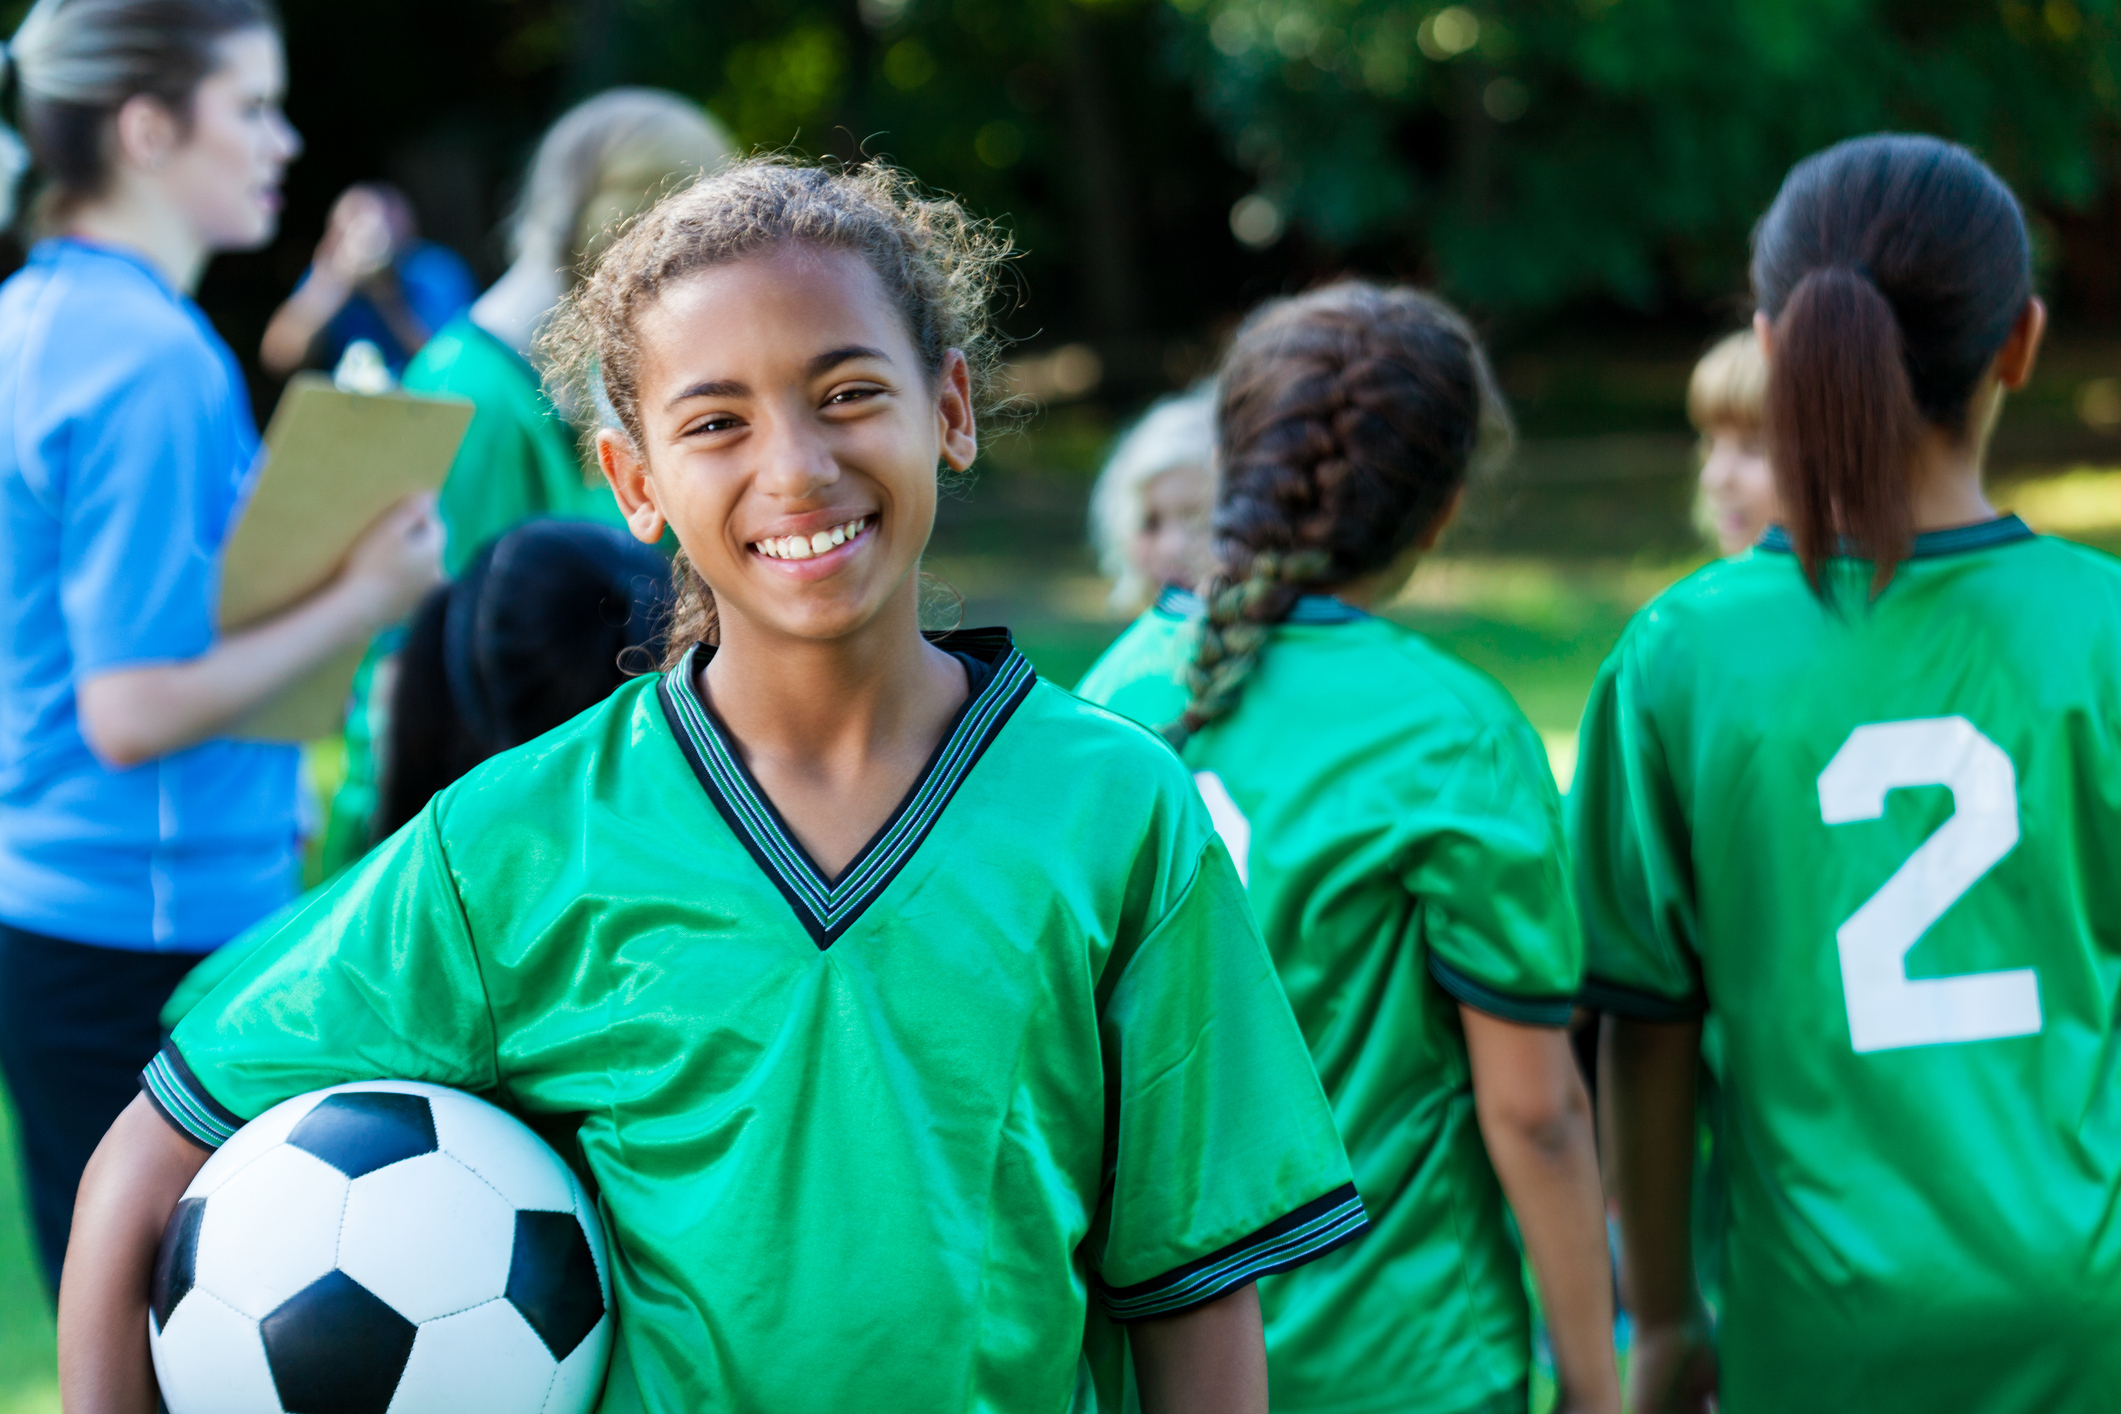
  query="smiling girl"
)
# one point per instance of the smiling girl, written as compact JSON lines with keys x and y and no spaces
{"x":901,"y":1001}
{"x":134,"y":834}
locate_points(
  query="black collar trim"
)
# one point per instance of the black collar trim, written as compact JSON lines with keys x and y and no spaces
{"x":827,"y":908}
{"x":1958,"y":540}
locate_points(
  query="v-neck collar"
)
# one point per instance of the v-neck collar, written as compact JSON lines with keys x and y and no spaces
{"x":827,"y":908}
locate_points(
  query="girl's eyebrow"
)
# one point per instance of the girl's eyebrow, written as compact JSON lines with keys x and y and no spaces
{"x":824,"y":362}
{"x":713,"y":388}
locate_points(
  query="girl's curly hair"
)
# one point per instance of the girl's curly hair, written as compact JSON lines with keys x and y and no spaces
{"x":1350,"y":416}
{"x":939,"y":265}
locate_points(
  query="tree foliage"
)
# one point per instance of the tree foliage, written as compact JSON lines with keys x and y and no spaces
{"x":1531,"y":153}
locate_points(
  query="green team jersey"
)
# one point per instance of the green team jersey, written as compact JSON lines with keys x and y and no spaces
{"x":1882,"y":844}
{"x":865,"y":1143}
{"x":1397,"y":825}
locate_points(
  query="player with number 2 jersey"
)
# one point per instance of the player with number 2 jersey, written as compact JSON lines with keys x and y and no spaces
{"x":1861,"y":797}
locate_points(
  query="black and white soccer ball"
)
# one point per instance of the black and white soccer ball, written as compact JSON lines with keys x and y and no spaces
{"x":382,"y":1248}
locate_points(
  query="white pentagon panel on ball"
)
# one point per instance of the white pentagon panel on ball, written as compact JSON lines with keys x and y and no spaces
{"x":581,"y":1377}
{"x":428,"y":1236}
{"x":502,"y":1150}
{"x":482,"y":1361}
{"x":210,"y":1360}
{"x":270,"y":1230}
{"x":266,"y":1132}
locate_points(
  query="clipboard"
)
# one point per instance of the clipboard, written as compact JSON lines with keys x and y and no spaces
{"x":333,"y":463}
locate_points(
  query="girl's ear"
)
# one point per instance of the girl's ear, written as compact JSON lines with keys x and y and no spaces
{"x":953,"y":412}
{"x":627,"y":472}
{"x":146,"y":131}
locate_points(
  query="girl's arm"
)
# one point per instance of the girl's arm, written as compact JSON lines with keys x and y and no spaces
{"x":132,"y":1185}
{"x":1536,"y":1120}
{"x":131,"y":715}
{"x":1209,"y":1360}
{"x":1646,"y":1090}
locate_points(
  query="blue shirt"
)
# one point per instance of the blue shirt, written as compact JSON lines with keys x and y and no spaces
{"x":437,"y":286}
{"x":126,"y":443}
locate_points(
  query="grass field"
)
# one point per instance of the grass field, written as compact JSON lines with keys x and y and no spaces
{"x":1533,"y":588}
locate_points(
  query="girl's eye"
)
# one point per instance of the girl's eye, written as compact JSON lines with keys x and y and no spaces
{"x":851,"y":395}
{"x":718,"y":422}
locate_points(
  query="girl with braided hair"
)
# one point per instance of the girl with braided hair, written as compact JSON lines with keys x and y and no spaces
{"x":1399,"y":831}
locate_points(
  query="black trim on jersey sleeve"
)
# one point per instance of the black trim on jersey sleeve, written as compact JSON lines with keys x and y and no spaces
{"x":179,"y":1097}
{"x":1525,"y":1011}
{"x":1600,"y":995}
{"x":1297,"y":1237}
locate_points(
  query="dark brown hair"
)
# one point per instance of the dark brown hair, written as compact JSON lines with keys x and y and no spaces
{"x":1349,"y":418}
{"x":77,"y":62}
{"x":1893,"y":269}
{"x":938,"y":265}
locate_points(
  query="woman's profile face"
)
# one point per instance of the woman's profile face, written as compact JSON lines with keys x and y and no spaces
{"x":791,"y":439}
{"x":225,"y":173}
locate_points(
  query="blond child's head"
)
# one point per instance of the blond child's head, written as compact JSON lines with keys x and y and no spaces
{"x":1149,"y":514}
{"x":1726,"y":400}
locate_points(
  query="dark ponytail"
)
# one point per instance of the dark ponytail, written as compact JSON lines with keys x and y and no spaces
{"x":1349,"y":419}
{"x":1893,"y":269}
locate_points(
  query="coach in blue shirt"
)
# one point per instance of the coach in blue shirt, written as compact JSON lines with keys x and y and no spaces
{"x":134,"y":834}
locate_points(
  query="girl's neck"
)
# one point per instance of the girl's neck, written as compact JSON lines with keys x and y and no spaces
{"x":1944,"y":485}
{"x":134,"y":217}
{"x":837,"y":701}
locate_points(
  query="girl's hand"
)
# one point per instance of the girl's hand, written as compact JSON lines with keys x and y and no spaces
{"x":1672,"y":1370}
{"x":397,"y":561}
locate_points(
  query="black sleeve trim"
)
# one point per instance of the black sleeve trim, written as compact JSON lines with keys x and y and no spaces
{"x":1297,"y":1237}
{"x":1601,"y":995}
{"x":173,"y":1090}
{"x":1525,"y":1011}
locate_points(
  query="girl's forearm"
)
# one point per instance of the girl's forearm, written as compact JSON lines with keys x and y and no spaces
{"x":132,"y":1185}
{"x":1541,"y":1138}
{"x":1646,"y":1089}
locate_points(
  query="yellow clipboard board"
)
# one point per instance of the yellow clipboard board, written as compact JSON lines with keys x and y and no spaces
{"x":333,"y":463}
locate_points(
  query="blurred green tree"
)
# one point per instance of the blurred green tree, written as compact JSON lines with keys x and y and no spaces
{"x":1528,"y":154}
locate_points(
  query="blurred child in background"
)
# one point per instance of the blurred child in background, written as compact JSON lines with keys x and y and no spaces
{"x":601,"y":162}
{"x":1726,"y":400}
{"x":1149,"y":512}
{"x":1397,"y":826}
{"x":545,"y":623}
{"x":372,"y":278}
{"x":1857,"y":795}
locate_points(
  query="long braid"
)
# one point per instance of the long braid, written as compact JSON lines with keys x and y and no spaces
{"x":1349,"y":419}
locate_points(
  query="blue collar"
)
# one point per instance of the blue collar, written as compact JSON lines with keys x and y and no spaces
{"x":1312,"y":610}
{"x":50,"y":247}
{"x":1958,"y":540}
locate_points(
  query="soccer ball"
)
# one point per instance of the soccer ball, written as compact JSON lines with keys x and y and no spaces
{"x":382,"y":1248}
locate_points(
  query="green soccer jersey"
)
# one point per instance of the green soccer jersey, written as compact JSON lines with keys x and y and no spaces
{"x":863,"y":1144}
{"x":1397,"y":825}
{"x":1882,"y":843}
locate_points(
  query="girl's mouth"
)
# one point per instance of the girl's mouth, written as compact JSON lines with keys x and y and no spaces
{"x":815,"y":545}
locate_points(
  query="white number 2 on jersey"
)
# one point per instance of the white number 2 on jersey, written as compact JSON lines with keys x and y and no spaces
{"x":1230,"y":822}
{"x":1887,"y":1009}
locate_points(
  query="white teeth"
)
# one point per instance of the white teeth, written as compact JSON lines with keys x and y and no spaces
{"x":803,"y":547}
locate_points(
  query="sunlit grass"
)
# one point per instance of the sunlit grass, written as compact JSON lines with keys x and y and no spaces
{"x":2084,"y":500}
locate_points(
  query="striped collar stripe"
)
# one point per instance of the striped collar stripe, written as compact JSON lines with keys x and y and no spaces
{"x":1312,"y":610}
{"x":1311,"y":1231}
{"x":1958,"y":540}
{"x":828,"y":907}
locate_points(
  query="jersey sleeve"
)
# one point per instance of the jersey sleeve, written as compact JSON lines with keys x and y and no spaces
{"x":146,"y":507}
{"x":1633,"y":876}
{"x":375,"y":980}
{"x":1486,"y":856}
{"x":1226,"y":1163}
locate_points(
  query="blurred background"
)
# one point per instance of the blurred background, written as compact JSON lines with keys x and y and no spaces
{"x":1579,"y":175}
